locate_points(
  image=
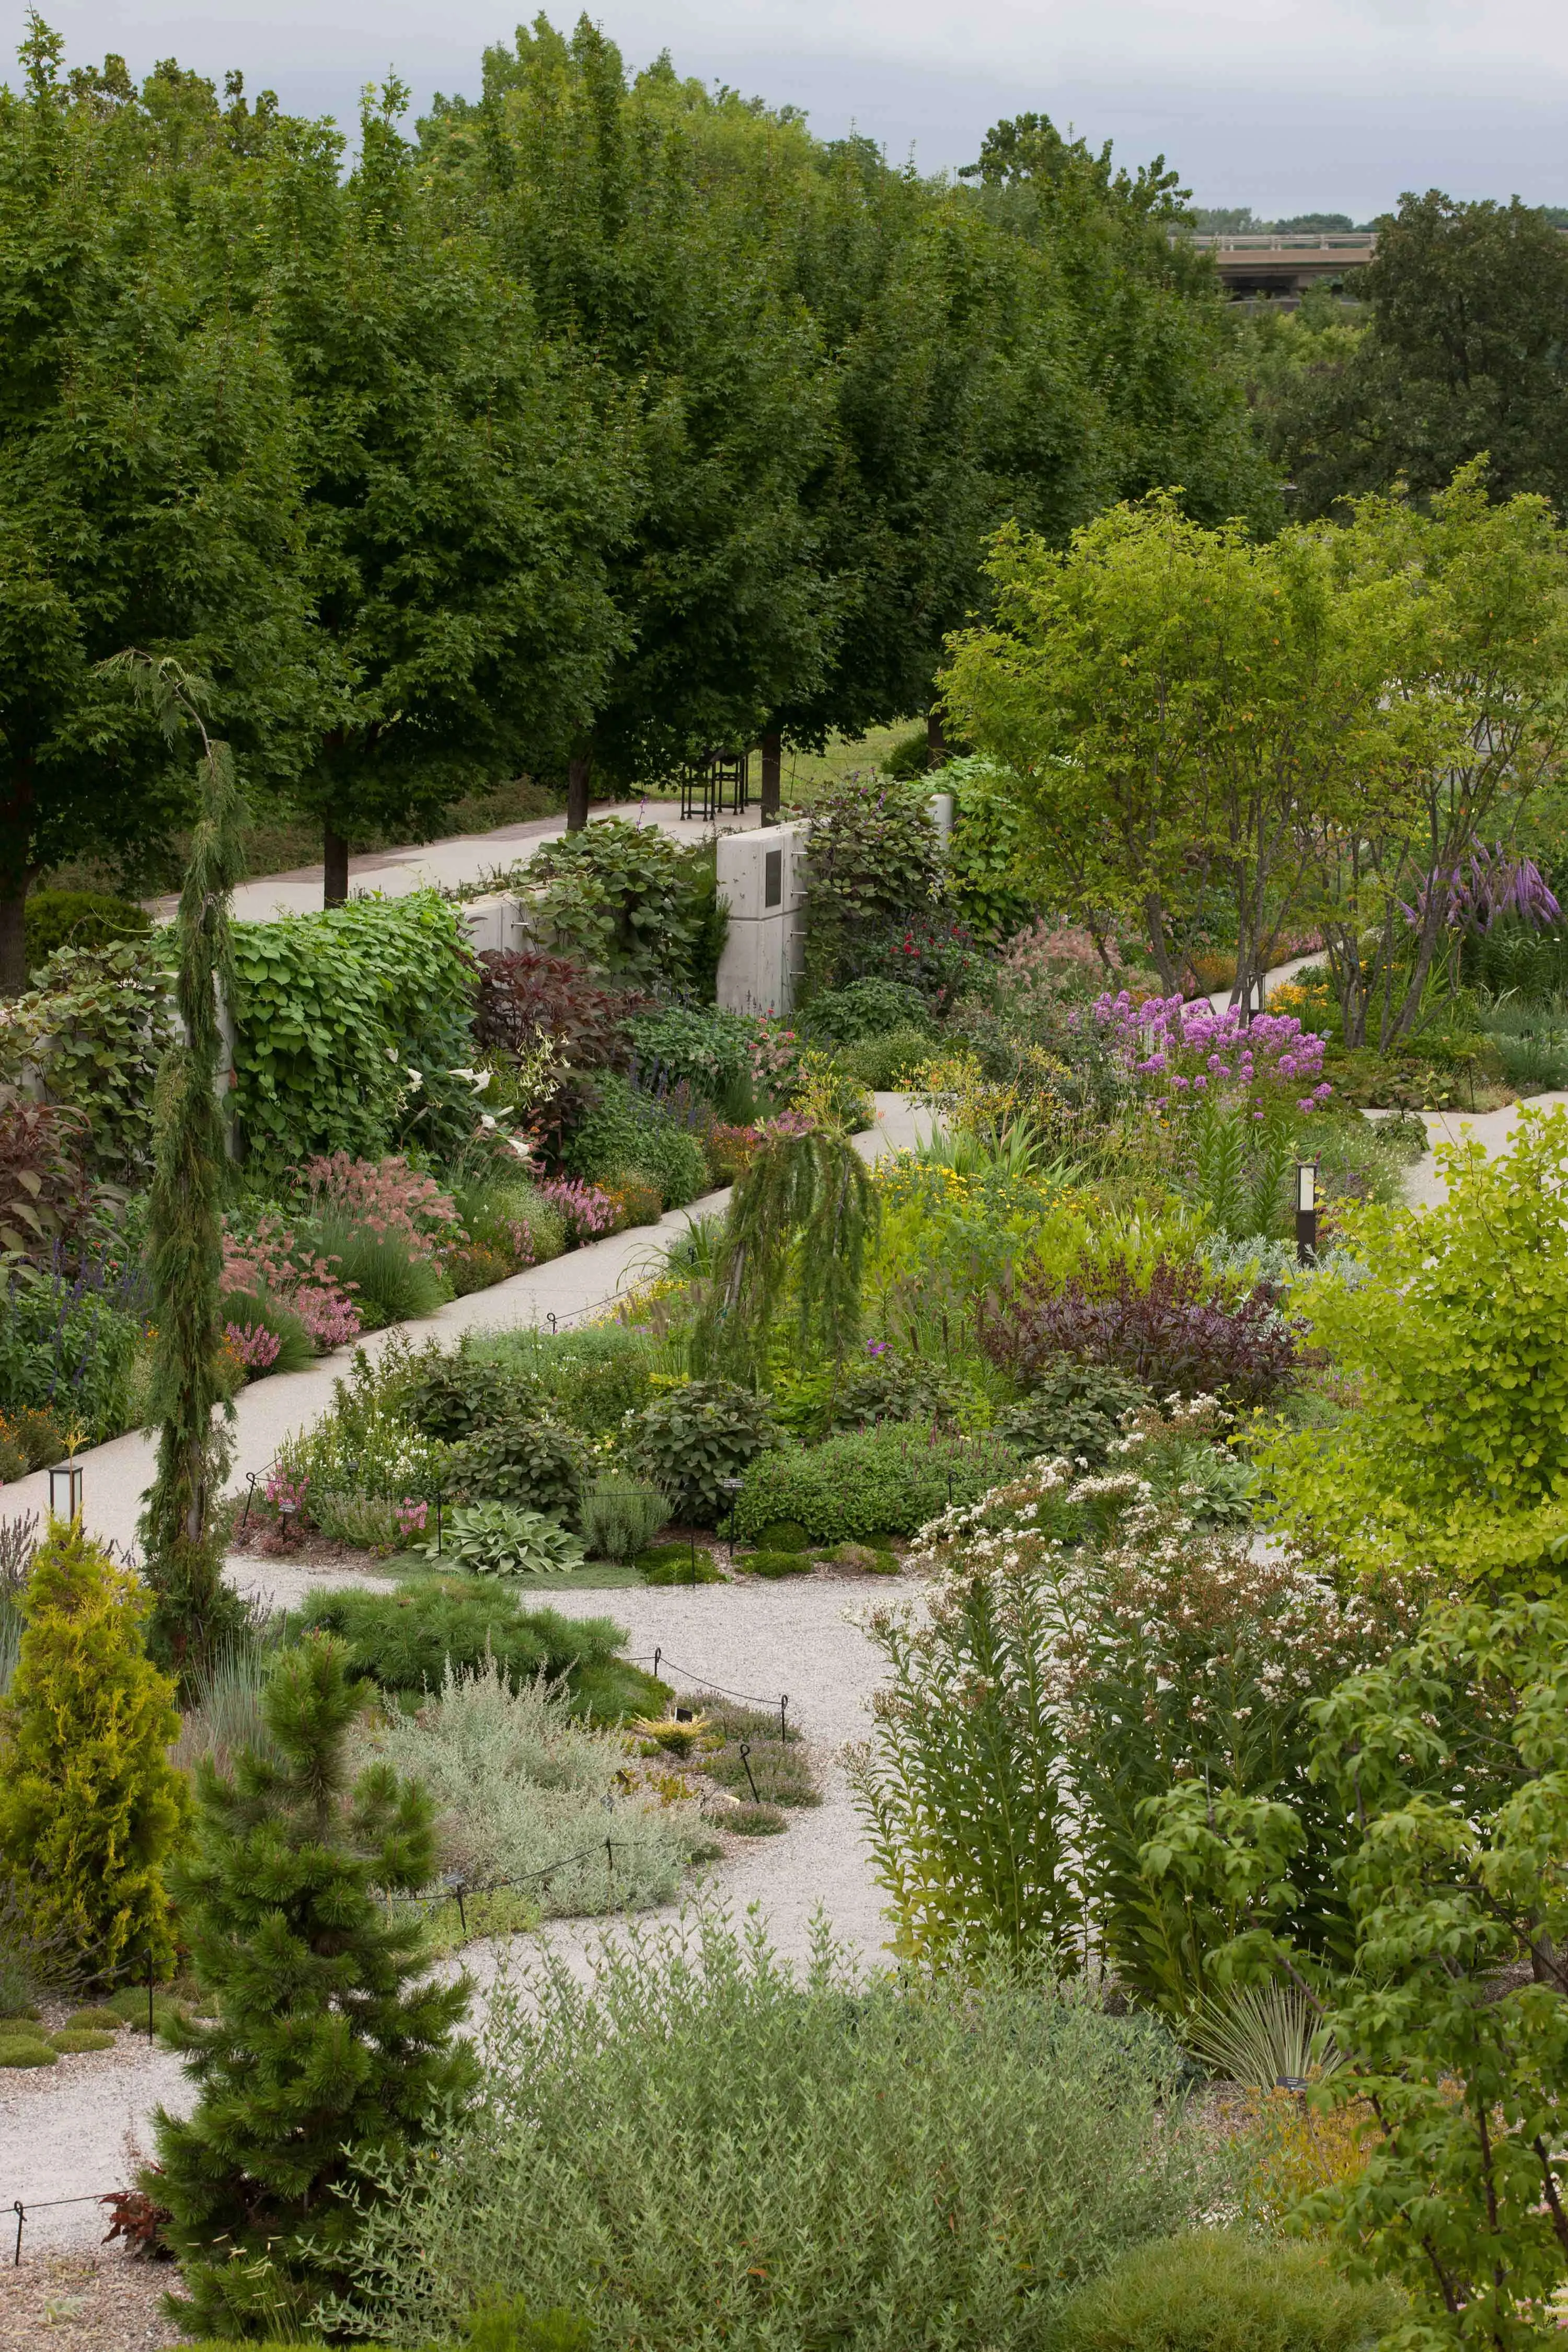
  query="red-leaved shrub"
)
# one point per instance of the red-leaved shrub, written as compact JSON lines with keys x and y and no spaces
{"x":1181,"y":1331}
{"x":46,"y":1191}
{"x":527,"y":995}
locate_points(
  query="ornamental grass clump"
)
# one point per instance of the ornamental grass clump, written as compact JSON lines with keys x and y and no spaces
{"x":700,"y":2147}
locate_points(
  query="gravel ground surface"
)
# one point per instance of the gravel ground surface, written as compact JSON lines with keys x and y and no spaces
{"x":96,"y":2301}
{"x":72,"y":2130}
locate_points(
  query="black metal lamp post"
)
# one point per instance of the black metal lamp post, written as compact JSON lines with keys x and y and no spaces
{"x":1306,"y":1212}
{"x":732,"y":1488}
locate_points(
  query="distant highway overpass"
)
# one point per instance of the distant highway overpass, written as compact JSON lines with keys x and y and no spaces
{"x":1287,"y":264}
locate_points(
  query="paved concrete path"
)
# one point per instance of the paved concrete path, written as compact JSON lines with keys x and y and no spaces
{"x":1427,"y":1186}
{"x":461,"y":858}
{"x":115,"y":1477}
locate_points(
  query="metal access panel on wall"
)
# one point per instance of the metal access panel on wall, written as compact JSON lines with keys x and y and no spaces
{"x":761,"y":881}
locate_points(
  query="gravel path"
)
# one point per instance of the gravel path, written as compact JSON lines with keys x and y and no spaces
{"x":72,"y":2131}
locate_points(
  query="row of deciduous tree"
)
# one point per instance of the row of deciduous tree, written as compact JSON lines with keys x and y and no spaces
{"x":608,"y":420}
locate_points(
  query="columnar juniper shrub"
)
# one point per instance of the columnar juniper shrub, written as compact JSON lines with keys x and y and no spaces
{"x":701,"y":2146}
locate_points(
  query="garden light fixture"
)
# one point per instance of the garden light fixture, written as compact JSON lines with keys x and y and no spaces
{"x":65,"y":1490}
{"x":1306,"y":1211}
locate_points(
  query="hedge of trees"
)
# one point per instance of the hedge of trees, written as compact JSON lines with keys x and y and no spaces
{"x":604,"y":419}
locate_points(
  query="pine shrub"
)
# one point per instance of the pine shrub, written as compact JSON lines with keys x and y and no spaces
{"x":327,"y":2048}
{"x":1217,"y":2291}
{"x":89,"y":1806}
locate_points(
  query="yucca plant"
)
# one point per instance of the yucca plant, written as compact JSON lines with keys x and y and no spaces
{"x":1262,"y":2036}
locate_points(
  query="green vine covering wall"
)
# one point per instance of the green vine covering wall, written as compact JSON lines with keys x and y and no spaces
{"x":94,"y":1032}
{"x":349,"y":1024}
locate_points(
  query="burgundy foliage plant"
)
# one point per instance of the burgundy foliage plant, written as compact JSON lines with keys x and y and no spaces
{"x":1181,"y":1331}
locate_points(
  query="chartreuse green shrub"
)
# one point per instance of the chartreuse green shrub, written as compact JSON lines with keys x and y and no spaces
{"x":329,"y":2044}
{"x":1218,"y":2291}
{"x":91,"y":1809}
{"x":883,"y":1480}
{"x":1451,"y":1327}
{"x":702,"y":2148}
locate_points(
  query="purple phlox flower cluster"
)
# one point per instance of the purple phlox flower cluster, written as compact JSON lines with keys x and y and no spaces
{"x":1189,"y":1045}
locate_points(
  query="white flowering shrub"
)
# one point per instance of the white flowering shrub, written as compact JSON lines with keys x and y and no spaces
{"x":1085,"y":1645}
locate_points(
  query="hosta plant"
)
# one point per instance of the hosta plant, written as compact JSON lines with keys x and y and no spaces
{"x":499,"y":1539}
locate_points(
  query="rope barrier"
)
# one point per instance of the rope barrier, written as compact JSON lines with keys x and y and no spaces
{"x":47,"y":2205}
{"x":609,"y":1848}
{"x":751,"y":1698}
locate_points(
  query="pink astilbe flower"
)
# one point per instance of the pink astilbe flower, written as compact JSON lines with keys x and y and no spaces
{"x":272,"y":1263}
{"x":589,"y":1213}
{"x":257,"y":1348}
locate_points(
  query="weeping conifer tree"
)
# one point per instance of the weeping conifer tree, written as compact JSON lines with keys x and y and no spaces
{"x":191,"y":1607}
{"x":800,"y":1218}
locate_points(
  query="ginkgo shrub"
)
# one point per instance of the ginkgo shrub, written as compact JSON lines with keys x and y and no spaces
{"x":1446,"y":1323}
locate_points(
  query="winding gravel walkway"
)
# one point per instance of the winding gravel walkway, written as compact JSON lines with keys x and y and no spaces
{"x":77,"y":2129}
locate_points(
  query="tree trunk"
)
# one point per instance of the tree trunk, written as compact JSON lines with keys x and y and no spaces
{"x":936,"y":741}
{"x":579,"y":776}
{"x":772,"y":777}
{"x":13,"y":943}
{"x":334,"y":866}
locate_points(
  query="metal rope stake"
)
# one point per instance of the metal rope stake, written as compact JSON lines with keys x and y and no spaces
{"x":783,"y":1702}
{"x":746,"y":1759}
{"x":20,"y":2211}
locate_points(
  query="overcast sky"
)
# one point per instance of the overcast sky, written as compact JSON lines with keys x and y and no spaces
{"x":1287,"y":105}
